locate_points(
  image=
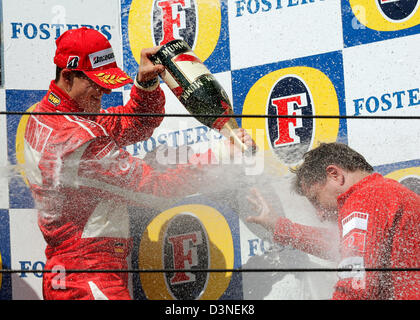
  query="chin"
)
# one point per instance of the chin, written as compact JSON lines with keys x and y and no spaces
{"x":94,"y":107}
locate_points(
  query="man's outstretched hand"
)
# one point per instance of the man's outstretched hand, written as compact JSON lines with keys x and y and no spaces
{"x":266,"y":217}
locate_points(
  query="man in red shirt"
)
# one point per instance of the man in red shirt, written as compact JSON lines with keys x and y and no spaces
{"x":378,"y":220}
{"x":81,"y":177}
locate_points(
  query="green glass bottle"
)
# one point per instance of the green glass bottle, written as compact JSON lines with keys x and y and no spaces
{"x":197,"y":89}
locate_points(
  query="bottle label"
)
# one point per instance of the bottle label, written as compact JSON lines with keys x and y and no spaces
{"x":190,"y":66}
{"x":206,"y":96}
{"x":171,"y":83}
{"x":195,"y":86}
{"x":173,"y":48}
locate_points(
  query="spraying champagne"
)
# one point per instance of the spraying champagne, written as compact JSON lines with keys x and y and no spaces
{"x":197,"y":89}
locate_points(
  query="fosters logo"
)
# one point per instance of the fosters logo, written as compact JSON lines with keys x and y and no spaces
{"x":296,"y":91}
{"x":387,"y":15}
{"x":186,"y":237}
{"x":362,"y":19}
{"x":398,"y":10}
{"x":155,"y":22}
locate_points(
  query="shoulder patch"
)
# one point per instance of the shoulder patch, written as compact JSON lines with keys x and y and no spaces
{"x":355,"y":220}
{"x":52,"y":98}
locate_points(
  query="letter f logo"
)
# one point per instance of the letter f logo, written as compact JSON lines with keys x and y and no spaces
{"x":173,"y":18}
{"x":184,"y":249}
{"x":286,"y":127}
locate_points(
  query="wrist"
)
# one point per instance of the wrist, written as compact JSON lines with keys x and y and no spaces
{"x":149,"y":85}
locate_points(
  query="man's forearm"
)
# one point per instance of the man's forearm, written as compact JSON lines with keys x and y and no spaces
{"x":317,"y":241}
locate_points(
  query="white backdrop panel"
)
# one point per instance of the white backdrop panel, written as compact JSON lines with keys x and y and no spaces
{"x":291,"y":31}
{"x":382,"y":79}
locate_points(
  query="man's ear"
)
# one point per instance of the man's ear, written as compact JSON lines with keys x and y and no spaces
{"x":335,"y":173}
{"x":67,"y":76}
{"x":66,"y":80}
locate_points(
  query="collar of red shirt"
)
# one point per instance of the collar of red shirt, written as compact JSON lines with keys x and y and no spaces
{"x":341,"y":199}
{"x":66,"y":104}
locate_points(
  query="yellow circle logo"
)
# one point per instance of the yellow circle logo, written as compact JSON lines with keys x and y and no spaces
{"x":185,"y":238}
{"x":20,"y":142}
{"x":409,"y":177}
{"x":155,"y":22}
{"x":387,"y":15}
{"x":292,"y":91}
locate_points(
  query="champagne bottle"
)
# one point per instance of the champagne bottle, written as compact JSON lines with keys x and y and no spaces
{"x":197,"y":89}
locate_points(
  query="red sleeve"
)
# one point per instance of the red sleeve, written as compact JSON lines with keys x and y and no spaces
{"x":128,"y":130}
{"x":313,"y":240}
{"x":406,"y":251}
{"x":380,"y":229}
{"x":113,"y":172}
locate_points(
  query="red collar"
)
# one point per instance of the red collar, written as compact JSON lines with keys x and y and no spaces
{"x":60,"y":100}
{"x":341,"y":199}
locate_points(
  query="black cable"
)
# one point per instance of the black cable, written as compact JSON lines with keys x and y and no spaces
{"x":213,"y":270}
{"x":94,"y":114}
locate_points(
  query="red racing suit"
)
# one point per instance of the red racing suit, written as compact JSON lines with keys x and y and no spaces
{"x":379,"y":224}
{"x":82,"y":180}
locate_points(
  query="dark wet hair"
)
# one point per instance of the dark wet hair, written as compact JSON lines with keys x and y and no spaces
{"x":316,"y":161}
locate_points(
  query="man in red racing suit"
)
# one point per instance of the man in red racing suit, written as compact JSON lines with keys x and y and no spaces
{"x":81,"y":177}
{"x":378,"y":221}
